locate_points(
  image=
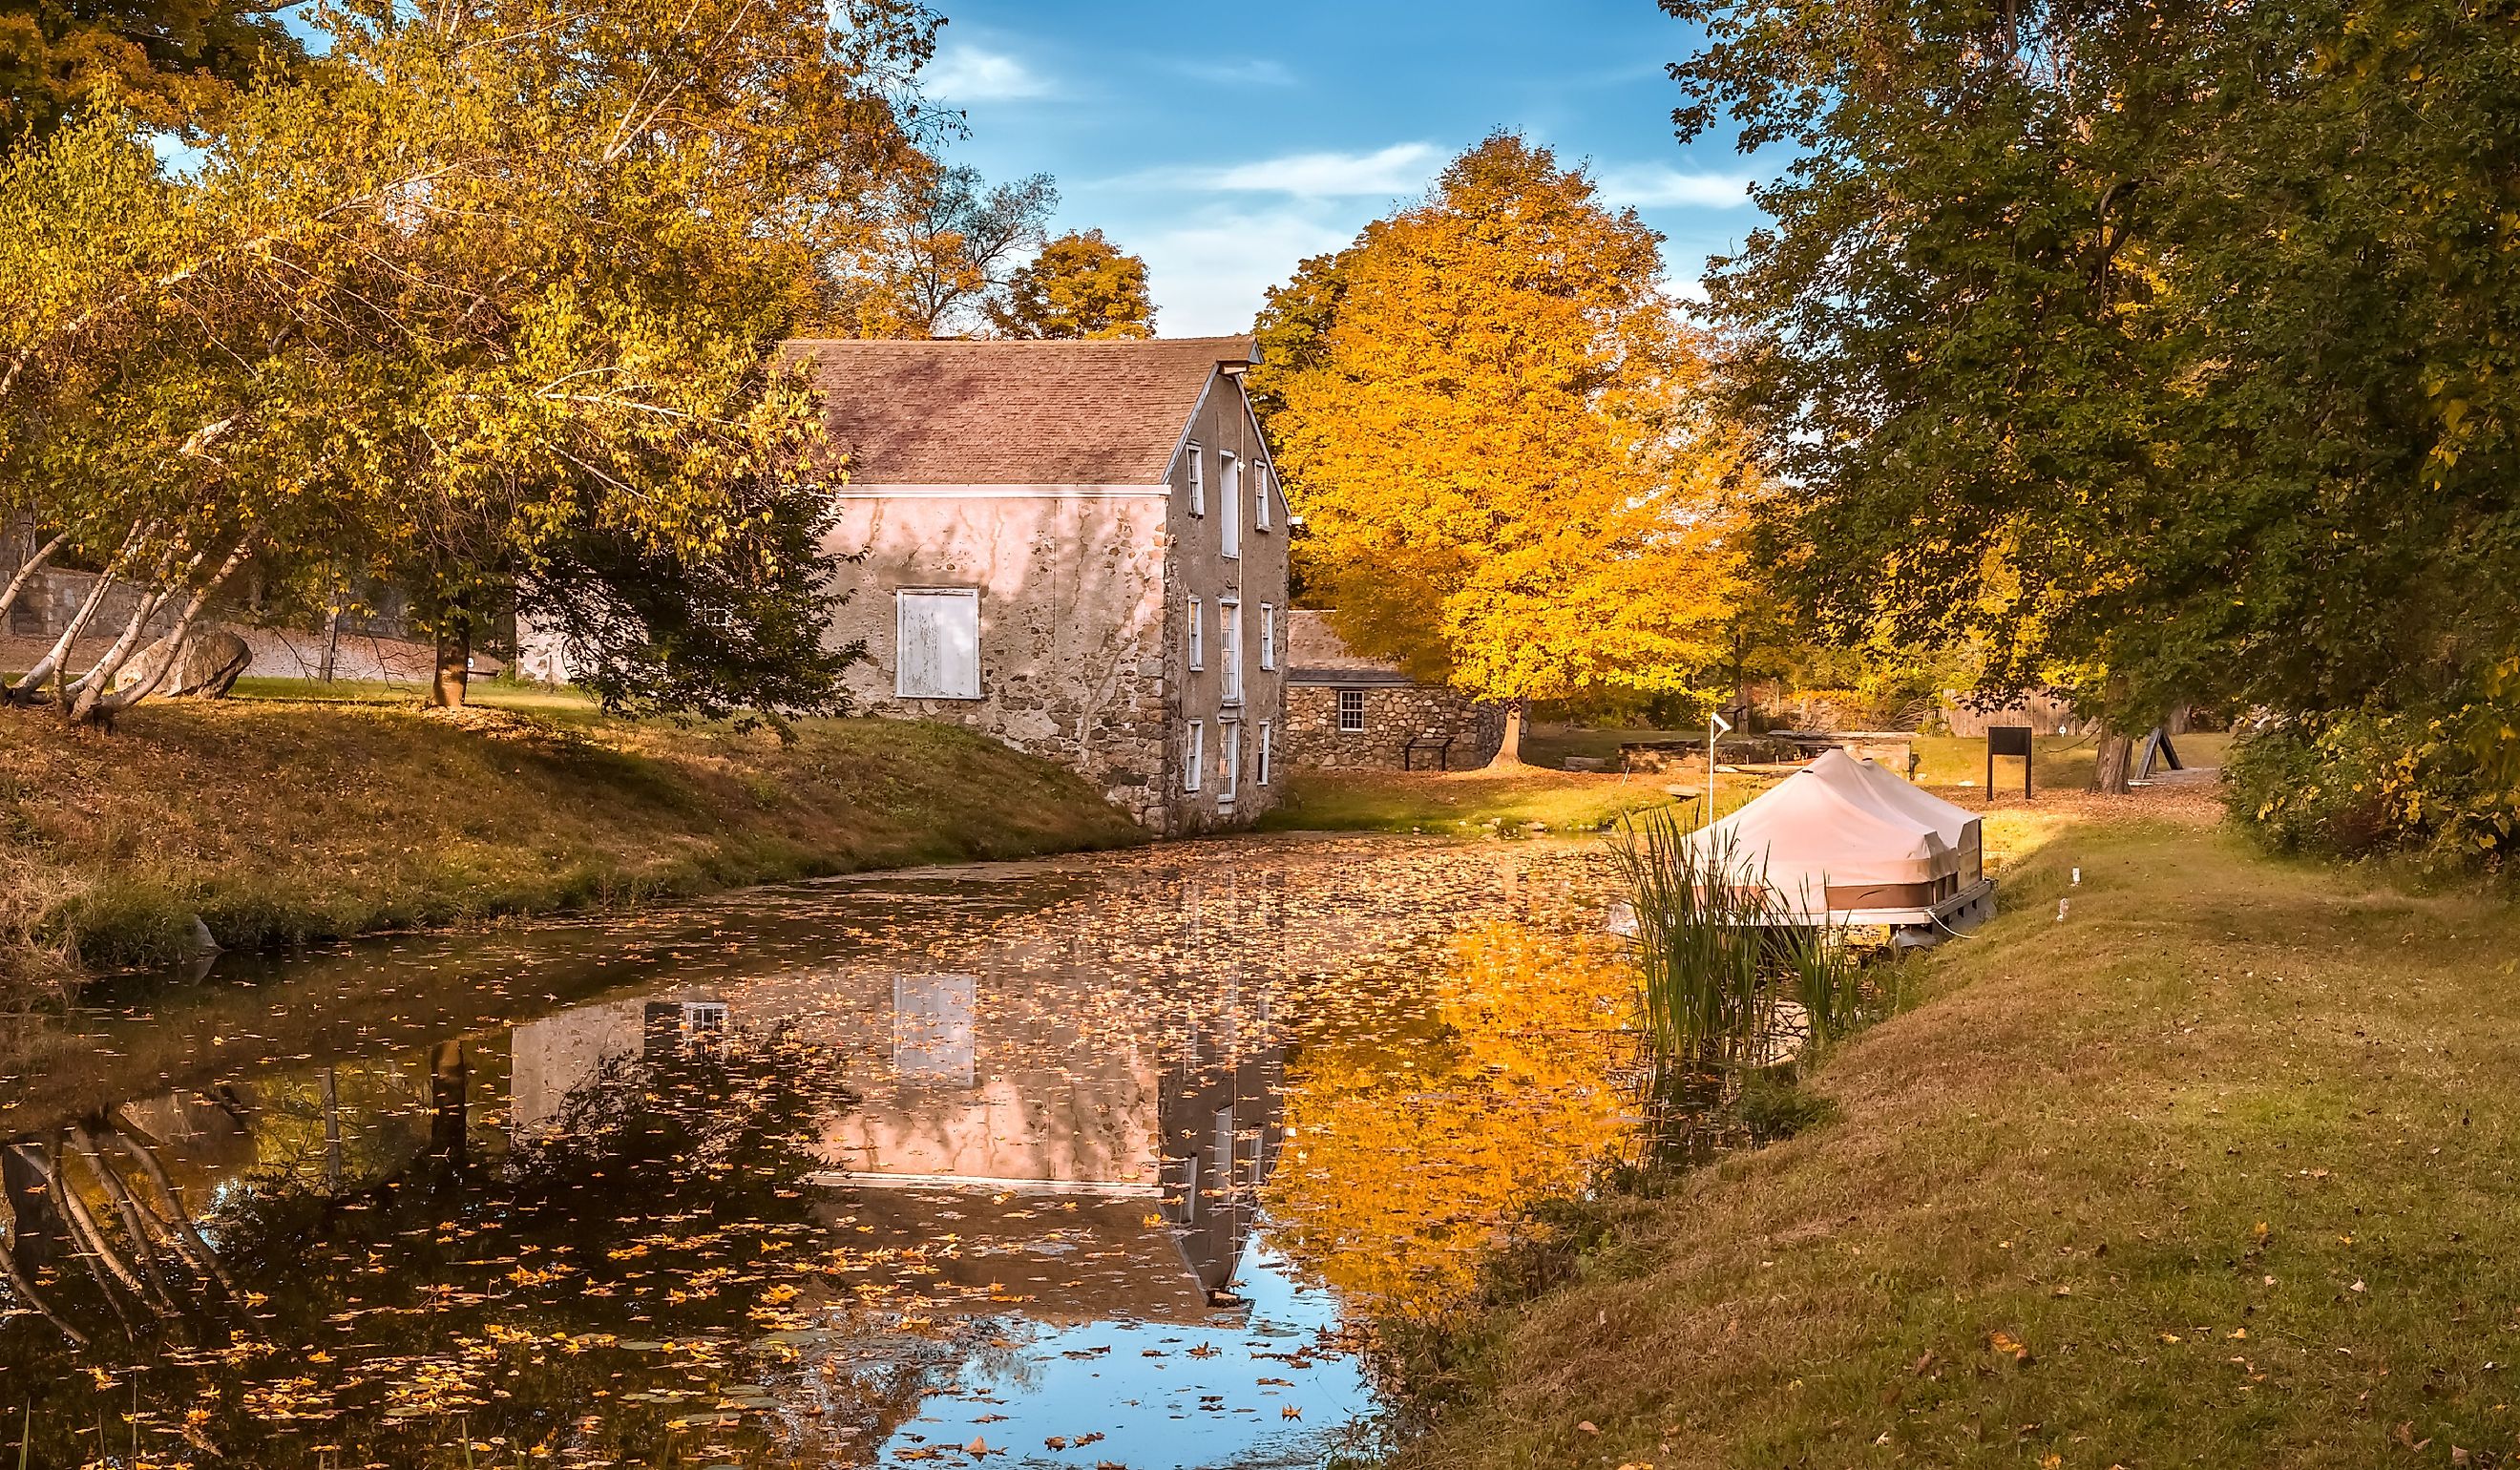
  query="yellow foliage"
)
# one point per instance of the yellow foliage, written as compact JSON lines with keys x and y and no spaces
{"x":1501,"y":441}
{"x":1517,"y":1109}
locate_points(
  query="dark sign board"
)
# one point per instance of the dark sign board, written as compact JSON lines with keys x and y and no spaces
{"x":2007,"y":741}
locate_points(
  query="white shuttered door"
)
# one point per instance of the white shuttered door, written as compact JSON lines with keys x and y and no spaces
{"x":938,"y":653}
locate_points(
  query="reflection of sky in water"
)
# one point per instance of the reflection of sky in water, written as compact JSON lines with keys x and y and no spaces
{"x":868,"y":1167}
{"x":1178,"y":1408}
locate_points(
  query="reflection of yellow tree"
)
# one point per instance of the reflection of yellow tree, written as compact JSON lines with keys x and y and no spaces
{"x":1404,"y":1165}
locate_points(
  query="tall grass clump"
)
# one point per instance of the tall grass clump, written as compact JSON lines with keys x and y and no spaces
{"x":1734,"y":980}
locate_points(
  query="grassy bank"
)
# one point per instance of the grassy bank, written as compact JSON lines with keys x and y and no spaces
{"x":278,"y":822}
{"x":2214,"y":1170}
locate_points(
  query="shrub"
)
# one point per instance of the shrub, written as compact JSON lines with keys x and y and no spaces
{"x":2440,"y":782}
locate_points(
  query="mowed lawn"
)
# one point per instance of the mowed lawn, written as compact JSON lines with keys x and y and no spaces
{"x":2217,"y":1170}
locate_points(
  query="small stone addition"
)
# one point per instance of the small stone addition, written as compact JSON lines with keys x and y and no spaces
{"x":1348,"y":712}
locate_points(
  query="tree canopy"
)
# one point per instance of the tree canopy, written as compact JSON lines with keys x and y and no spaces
{"x":1080,"y":286}
{"x":945,"y":251}
{"x":483,"y":297}
{"x":2166,"y":352}
{"x":168,"y":62}
{"x":1499,"y":431}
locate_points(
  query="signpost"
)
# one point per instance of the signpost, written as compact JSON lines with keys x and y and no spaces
{"x":1716,"y":725}
{"x":2008,"y":739}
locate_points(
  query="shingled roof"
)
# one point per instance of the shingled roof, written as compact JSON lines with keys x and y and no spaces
{"x":1013,"y":413}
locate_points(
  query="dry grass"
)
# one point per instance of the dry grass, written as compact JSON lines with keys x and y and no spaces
{"x":280,"y":823}
{"x":2216,"y":1170}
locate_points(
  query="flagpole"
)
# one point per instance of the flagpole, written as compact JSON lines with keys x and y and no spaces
{"x":1716,"y":725}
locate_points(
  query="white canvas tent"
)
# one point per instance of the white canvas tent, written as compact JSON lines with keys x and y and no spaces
{"x":1846,"y":836}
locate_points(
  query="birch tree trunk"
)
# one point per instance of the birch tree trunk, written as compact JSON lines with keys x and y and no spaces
{"x":25,"y":574}
{"x":30,"y":687}
{"x":99,"y":700}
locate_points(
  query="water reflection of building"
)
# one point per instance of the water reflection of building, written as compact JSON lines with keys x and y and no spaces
{"x":1029,"y":1073}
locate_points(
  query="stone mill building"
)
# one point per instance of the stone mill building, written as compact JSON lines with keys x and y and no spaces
{"x":1078,"y":546}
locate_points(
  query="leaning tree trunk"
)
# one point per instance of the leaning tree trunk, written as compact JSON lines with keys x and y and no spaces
{"x":2113,"y":764}
{"x":26,"y":573}
{"x":30,"y":687}
{"x":100,"y":702}
{"x":1508,"y":754}
{"x":454,"y":671}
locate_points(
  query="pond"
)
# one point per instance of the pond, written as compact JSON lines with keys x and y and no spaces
{"x":1117,"y":1160}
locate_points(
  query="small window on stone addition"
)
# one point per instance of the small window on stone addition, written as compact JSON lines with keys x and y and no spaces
{"x":1351,"y":710}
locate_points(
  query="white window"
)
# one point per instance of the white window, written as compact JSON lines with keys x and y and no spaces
{"x":1228,"y":500}
{"x":1351,"y":710}
{"x":1259,"y":497}
{"x":936,"y":650}
{"x":1229,"y":762}
{"x":1228,"y":647}
{"x":1198,"y":635}
{"x":1268,"y":636}
{"x":1197,"y":481}
{"x":1194,"y":755}
{"x":1262,"y":774}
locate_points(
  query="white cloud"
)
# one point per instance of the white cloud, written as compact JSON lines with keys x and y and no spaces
{"x":1251,"y":74}
{"x":969,"y":73}
{"x":1402,"y":168}
{"x":1211,"y":273}
{"x":1648,"y":186}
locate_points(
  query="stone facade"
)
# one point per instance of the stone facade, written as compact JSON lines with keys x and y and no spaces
{"x":1331,"y":687}
{"x":1394,"y":716}
{"x":1086,"y":563}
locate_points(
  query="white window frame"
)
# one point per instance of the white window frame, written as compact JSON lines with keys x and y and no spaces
{"x":1229,"y":501}
{"x":1268,"y":636}
{"x":1229,"y":762}
{"x":1195,"y":754}
{"x":1260,"y":478}
{"x":1260,"y":774}
{"x":901,"y":603}
{"x":1228,"y":647}
{"x":1197,"y":480}
{"x":1198,"y":635}
{"x":1345,"y":696}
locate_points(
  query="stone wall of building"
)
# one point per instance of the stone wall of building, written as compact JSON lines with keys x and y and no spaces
{"x":1071,"y":616}
{"x":1395,"y":714}
{"x":1252,"y":588}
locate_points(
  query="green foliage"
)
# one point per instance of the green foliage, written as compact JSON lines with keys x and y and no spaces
{"x":2167,"y":351}
{"x":1080,"y":286}
{"x":476,"y":302}
{"x":2360,"y":784}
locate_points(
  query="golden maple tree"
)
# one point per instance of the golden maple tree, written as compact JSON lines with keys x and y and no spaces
{"x":1497,"y":427}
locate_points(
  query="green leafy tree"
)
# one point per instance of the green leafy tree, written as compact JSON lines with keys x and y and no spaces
{"x":481,"y":294}
{"x":2161,"y":352}
{"x":1080,"y":286}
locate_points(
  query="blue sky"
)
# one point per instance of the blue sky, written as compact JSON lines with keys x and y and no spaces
{"x":1224,"y":143}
